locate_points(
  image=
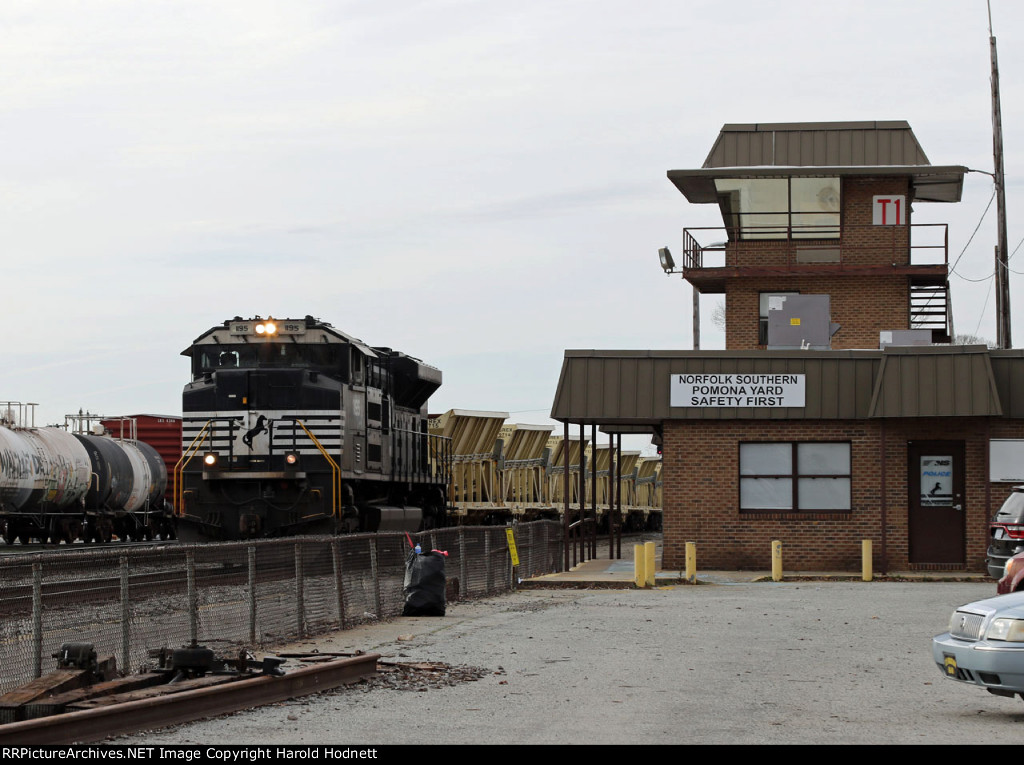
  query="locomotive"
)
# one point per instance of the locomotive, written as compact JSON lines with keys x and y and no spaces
{"x":60,"y":486}
{"x":292,"y":426}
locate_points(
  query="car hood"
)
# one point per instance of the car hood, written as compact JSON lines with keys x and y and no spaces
{"x":1011,"y":605}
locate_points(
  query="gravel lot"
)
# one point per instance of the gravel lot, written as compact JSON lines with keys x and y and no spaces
{"x":807,"y":662}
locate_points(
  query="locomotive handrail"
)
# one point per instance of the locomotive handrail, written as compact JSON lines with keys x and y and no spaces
{"x":335,"y":470}
{"x":179,"y":468}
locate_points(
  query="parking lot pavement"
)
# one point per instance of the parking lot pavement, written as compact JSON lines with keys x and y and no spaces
{"x":764,"y":662}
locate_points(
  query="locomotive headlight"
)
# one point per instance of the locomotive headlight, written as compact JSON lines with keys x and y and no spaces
{"x":210,"y":459}
{"x":266,"y":328}
{"x":291,"y":458}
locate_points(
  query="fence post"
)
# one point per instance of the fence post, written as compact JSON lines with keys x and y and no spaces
{"x":489,"y":574}
{"x":530,"y":533}
{"x":125,"y":618}
{"x":193,"y":598}
{"x":463,"y":576}
{"x":339,"y":586}
{"x":300,"y":608}
{"x":37,"y":619}
{"x":252,"y":594}
{"x":374,"y":574}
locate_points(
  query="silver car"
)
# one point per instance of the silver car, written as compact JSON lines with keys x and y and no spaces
{"x":985,"y":645}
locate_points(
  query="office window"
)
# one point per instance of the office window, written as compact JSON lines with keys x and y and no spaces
{"x":780,"y":208}
{"x":795,"y":477}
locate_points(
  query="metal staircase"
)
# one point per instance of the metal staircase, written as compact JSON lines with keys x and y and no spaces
{"x":931,"y":308}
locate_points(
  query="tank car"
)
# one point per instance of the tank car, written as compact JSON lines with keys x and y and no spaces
{"x":61,"y":486}
{"x":292,"y":426}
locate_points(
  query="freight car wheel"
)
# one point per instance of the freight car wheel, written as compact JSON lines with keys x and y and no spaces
{"x":102,"y":533}
{"x":10,"y":532}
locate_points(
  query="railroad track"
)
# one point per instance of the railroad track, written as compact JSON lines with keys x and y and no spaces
{"x":36,"y":548}
{"x":170,"y":703}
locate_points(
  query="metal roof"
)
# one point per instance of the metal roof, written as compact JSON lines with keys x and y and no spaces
{"x":832,"y":149}
{"x":616,"y":389}
{"x":932,"y":382}
{"x":849,"y":144}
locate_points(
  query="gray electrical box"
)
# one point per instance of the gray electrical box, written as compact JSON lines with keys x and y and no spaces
{"x":904,"y":337}
{"x":800,"y":321}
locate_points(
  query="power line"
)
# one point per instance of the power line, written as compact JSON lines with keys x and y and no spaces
{"x":981,"y":317}
{"x":964,"y":250}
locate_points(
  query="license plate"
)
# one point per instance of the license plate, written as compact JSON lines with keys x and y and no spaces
{"x":949,"y":664}
{"x":999,"y":533}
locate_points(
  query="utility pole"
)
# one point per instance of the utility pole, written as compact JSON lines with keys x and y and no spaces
{"x":696,"y":319}
{"x":1002,"y":256}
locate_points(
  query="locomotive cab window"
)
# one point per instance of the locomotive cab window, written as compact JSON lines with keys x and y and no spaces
{"x":327,"y":359}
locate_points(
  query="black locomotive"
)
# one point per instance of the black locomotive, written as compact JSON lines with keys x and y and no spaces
{"x":292,"y":426}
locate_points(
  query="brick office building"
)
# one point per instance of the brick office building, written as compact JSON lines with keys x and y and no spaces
{"x":838,"y":411}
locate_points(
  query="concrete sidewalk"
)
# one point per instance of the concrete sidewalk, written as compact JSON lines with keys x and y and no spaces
{"x":601,"y":572}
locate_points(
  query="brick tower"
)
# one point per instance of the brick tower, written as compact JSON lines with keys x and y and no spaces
{"x":823,"y":209}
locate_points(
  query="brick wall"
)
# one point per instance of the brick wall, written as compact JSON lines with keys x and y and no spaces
{"x":701,"y":493}
{"x":862,"y":305}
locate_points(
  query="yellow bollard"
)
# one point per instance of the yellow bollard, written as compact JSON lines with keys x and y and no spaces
{"x":776,"y":560}
{"x":639,"y":567}
{"x":691,"y":562}
{"x":866,"y":567}
{"x":650,"y":567}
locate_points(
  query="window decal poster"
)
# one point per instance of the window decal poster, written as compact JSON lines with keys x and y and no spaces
{"x":936,"y":481}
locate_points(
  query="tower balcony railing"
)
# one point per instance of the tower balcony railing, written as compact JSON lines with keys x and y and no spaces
{"x":798,"y":246}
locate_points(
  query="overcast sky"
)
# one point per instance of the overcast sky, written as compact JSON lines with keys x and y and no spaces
{"x":478,"y":184}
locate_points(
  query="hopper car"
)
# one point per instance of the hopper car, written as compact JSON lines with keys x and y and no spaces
{"x":291,"y":426}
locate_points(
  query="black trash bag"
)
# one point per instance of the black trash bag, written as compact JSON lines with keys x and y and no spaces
{"x":424,"y":585}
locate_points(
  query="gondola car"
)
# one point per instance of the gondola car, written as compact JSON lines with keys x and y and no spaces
{"x":292,"y":426}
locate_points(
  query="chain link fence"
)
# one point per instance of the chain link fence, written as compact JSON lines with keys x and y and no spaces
{"x":236,"y":595}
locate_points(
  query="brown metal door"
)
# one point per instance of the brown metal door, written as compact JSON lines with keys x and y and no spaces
{"x":935,"y":478}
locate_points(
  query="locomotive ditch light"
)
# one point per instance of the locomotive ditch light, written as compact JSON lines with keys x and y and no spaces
{"x":210,"y":459}
{"x":291,"y":458}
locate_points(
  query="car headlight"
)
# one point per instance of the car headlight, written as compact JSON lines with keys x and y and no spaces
{"x":1010,"y":630}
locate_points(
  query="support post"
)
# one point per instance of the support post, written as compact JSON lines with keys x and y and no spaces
{"x":650,"y":564}
{"x":339,"y":585}
{"x":300,"y":606}
{"x":126,"y":614}
{"x":565,"y":496}
{"x":488,"y":570}
{"x":193,"y":597}
{"x":463,"y":572}
{"x":251,"y":554}
{"x":375,"y":576}
{"x":639,"y":566}
{"x":37,"y":619}
{"x":776,"y":560}
{"x":592,"y":535}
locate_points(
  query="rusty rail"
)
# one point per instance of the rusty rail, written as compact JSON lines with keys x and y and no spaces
{"x":187,"y":706}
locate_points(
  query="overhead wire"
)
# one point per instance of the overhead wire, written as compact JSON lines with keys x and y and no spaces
{"x":971,"y":239}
